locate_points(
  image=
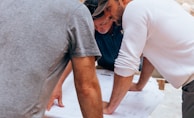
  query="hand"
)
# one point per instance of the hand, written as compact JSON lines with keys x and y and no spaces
{"x":134,"y":87}
{"x":106,"y":108}
{"x":57,"y":94}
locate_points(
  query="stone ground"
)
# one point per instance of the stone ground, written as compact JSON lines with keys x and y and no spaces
{"x":171,"y":105}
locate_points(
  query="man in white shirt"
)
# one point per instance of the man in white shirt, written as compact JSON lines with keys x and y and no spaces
{"x":163,"y":32}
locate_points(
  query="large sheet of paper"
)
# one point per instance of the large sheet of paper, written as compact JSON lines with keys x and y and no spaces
{"x":134,"y":105}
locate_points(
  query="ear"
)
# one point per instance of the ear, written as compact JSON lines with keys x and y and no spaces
{"x":121,"y":2}
{"x":124,"y":2}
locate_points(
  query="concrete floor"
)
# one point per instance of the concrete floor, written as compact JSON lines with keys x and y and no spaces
{"x":171,"y":105}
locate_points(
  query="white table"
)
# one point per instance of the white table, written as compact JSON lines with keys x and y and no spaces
{"x":134,"y":105}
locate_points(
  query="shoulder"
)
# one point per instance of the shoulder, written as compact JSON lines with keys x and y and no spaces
{"x":70,"y":8}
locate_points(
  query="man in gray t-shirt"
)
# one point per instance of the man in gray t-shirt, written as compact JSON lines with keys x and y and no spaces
{"x":37,"y":39}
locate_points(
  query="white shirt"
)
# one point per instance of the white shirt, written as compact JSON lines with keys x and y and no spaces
{"x":164,"y":32}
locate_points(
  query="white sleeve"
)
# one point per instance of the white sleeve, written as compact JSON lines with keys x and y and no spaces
{"x":135,"y":35}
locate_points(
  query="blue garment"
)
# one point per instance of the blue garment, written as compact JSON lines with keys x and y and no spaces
{"x":109,"y":45}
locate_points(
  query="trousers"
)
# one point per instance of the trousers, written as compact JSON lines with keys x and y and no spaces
{"x":188,"y":99}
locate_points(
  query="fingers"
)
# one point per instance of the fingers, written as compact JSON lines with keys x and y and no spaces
{"x":50,"y":103}
{"x":105,"y":108}
{"x":106,"y":111}
{"x":60,"y":102}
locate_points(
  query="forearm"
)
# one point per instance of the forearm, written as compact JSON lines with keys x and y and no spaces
{"x":57,"y":92}
{"x":90,"y":101}
{"x":65,"y":73}
{"x":146,"y":73}
{"x":120,"y":88}
{"x":87,"y":87}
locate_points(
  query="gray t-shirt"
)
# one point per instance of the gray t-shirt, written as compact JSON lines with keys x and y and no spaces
{"x":37,"y":39}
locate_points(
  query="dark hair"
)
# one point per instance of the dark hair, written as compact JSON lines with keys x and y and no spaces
{"x":91,"y":5}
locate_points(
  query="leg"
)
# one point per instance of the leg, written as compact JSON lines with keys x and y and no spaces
{"x":188,"y":100}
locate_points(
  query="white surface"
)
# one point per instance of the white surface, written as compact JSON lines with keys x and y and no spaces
{"x":134,"y":105}
{"x":170,"y":107}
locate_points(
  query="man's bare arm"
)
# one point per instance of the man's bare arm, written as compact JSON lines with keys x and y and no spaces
{"x":123,"y":84}
{"x":146,"y":73}
{"x":57,"y":92}
{"x":87,"y":87}
{"x":120,"y":88}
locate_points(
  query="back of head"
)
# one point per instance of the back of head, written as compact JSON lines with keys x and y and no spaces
{"x":91,"y":5}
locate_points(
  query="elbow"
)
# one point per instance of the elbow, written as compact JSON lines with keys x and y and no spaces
{"x":87,"y":88}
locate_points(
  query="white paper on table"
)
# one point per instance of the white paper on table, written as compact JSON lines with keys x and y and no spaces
{"x":134,"y":105}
